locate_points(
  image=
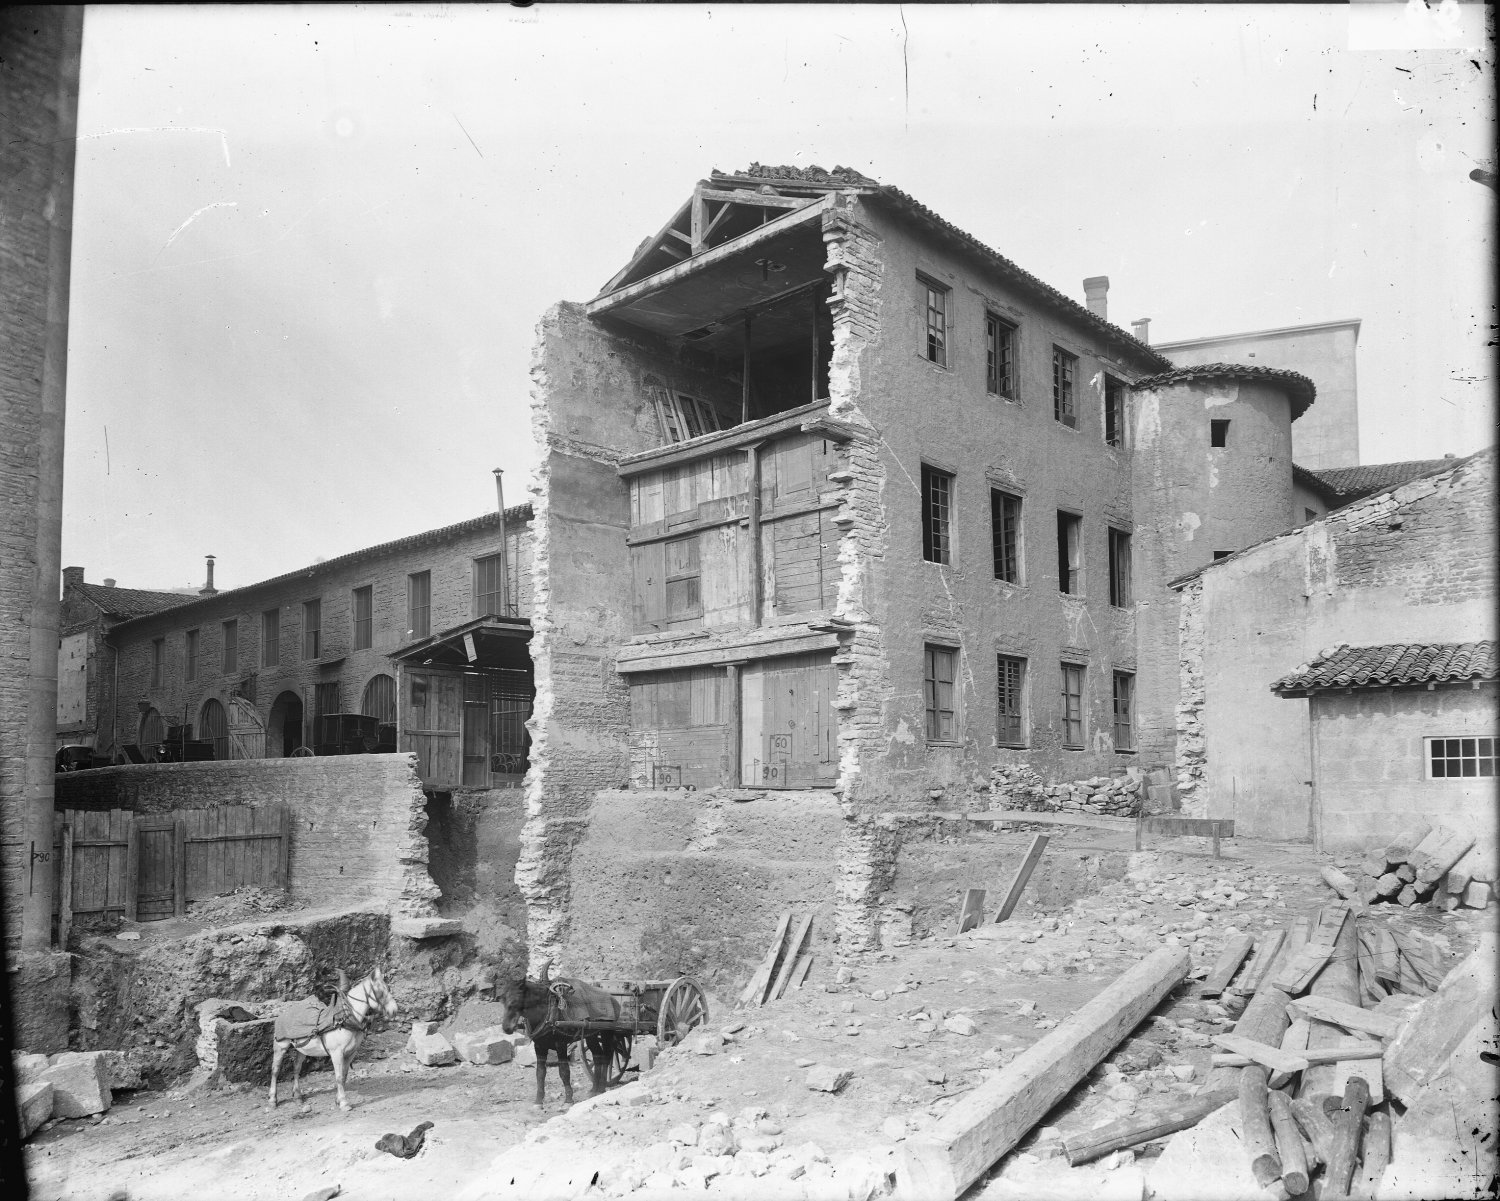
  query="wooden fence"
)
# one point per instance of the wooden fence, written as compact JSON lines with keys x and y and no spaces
{"x":148,"y":866}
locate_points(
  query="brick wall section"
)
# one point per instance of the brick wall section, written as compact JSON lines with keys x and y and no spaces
{"x":1192,"y":773}
{"x":39,"y":95}
{"x":358,"y":821}
{"x":448,"y":554}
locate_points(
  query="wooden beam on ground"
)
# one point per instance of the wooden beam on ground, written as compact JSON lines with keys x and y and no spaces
{"x":1265,"y":1018}
{"x":1341,"y":884}
{"x":1360,"y":1050}
{"x":1266,"y":949}
{"x":1376,"y":1153}
{"x":799,"y":973}
{"x":1255,"y":1126}
{"x":1308,"y":962}
{"x":1342,"y":1013}
{"x":971,"y":912}
{"x":1089,"y":1145}
{"x":1014,"y":816}
{"x":1348,"y":1127}
{"x":789,"y":959}
{"x":757,"y":986}
{"x":1226,"y":965}
{"x":1422,"y":1050}
{"x":1266,"y":1056}
{"x":986,"y":1123}
{"x":1439,"y":851}
{"x":1291,"y":1149}
{"x":1023,"y":874}
{"x":1337,"y":980}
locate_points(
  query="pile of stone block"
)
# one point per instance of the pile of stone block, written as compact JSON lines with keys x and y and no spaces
{"x":70,"y":1084}
{"x":1445,"y":867}
{"x":488,"y":1046}
{"x":1017,"y":786}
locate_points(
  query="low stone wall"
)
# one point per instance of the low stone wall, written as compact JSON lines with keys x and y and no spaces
{"x":669,"y":883}
{"x":1016,"y":786}
{"x":358,"y":821}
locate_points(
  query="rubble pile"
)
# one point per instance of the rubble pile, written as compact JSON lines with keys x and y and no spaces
{"x":1016,"y":786}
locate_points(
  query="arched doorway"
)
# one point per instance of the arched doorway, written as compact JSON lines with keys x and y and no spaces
{"x":284,"y":729}
{"x":213,"y":726}
{"x":380,"y":699}
{"x":152,"y":734}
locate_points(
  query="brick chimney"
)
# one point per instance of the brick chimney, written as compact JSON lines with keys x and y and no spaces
{"x":1096,"y":295}
{"x":1141,"y":328}
{"x":72,"y":577}
{"x":109,"y":583}
{"x":208,"y":589}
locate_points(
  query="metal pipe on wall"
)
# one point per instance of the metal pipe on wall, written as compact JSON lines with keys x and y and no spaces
{"x":504,"y":553}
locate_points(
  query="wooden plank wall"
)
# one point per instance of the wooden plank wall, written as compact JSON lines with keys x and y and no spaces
{"x":98,"y":861}
{"x":687,"y":712}
{"x":232,"y":847}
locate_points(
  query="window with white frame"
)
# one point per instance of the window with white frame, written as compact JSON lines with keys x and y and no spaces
{"x":1455,"y":757}
{"x":683,"y":416}
{"x":932,"y":319}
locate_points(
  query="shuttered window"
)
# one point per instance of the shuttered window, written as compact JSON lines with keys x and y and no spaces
{"x":270,"y":638}
{"x":684,"y":587}
{"x":938,"y":673}
{"x":1124,"y":703}
{"x":190,"y":655}
{"x":1011,"y":729}
{"x":1072,"y":705}
{"x":419,"y":604}
{"x":312,"y":629}
{"x":363,"y":608}
{"x":489,"y":587}
{"x":231,"y":647}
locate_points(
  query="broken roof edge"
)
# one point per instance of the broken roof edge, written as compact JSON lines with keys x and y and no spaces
{"x":1300,"y":390}
{"x":1188,"y":577}
{"x":513,"y":513}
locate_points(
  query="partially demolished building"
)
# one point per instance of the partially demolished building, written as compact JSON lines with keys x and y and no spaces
{"x":834,"y":497}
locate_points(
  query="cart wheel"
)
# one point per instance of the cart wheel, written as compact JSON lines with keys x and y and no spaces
{"x":683,"y":1008}
{"x":614,"y":1050}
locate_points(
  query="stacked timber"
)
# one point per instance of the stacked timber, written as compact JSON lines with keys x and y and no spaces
{"x":1434,"y":864}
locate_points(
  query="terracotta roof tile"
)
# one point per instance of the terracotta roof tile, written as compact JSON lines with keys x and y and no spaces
{"x":1302,"y":390}
{"x":1355,"y":483}
{"x":130,"y":602}
{"x":1392,"y":665}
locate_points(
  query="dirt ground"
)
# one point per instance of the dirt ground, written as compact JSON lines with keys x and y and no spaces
{"x":896,"y":1020}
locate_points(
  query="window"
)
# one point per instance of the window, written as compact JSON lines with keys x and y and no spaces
{"x":1218,"y":433}
{"x":1119,"y":568}
{"x":213,"y":726}
{"x":1072,"y":705}
{"x":312,"y":629}
{"x":1449,"y":757}
{"x":380,"y":699}
{"x":1011,"y":730}
{"x":938,"y":687}
{"x":1222,"y":554}
{"x":1124,"y":711}
{"x":1064,"y":373}
{"x":363,"y":608}
{"x":489,"y":587}
{"x":158,"y":656}
{"x":934,"y":320}
{"x":231,"y":647}
{"x":684,"y":416}
{"x":937,"y":508}
{"x":1069,"y":553}
{"x":684,"y":595}
{"x":999,"y":356}
{"x":1114,"y":411}
{"x":419,"y":604}
{"x":1005,"y":535}
{"x":190,"y":655}
{"x":270,"y":638}
{"x":1309,"y":515}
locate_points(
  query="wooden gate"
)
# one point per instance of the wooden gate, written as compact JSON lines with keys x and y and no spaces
{"x":148,"y":867}
{"x":247,"y":733}
{"x":432,"y":725}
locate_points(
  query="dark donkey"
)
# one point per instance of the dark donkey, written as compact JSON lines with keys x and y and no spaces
{"x":540,"y":1005}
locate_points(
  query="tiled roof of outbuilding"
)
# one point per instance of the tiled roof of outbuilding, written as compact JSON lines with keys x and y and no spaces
{"x":1302,"y":390}
{"x":1393,"y":665}
{"x":1352,"y":483}
{"x":130,"y":602}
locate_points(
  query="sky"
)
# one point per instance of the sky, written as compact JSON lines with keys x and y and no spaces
{"x":311,"y":245}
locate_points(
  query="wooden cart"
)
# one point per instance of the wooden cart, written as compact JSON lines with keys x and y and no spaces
{"x":667,"y":1009}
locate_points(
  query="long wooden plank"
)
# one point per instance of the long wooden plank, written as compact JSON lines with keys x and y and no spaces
{"x":1308,"y":962}
{"x":757,"y":984}
{"x":1350,"y":1017}
{"x":1226,"y":965}
{"x":1023,"y":874}
{"x":1125,"y":824}
{"x":284,"y":858}
{"x":987,"y":1122}
{"x":1357,"y":1050}
{"x":1267,"y":947}
{"x":133,"y":873}
{"x":1338,"y":980}
{"x":1265,"y":1017}
{"x":1261,"y":1053}
{"x":799,"y":973}
{"x":1089,"y":1145}
{"x":179,"y":868}
{"x":1422,"y":1050}
{"x":789,"y":959}
{"x":65,"y":893}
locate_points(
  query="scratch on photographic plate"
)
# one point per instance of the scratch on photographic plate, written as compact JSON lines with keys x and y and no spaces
{"x":217,"y":204}
{"x":109,"y":133}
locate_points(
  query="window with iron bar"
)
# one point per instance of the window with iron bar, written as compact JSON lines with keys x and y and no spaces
{"x":362,"y":606}
{"x":1011,"y":729}
{"x":419,"y":603}
{"x":231,"y":647}
{"x":1072,"y":705}
{"x":937,"y":510}
{"x":190,"y":655}
{"x":489,"y":587}
{"x":158,"y":655}
{"x":312,"y":629}
{"x":270,"y":638}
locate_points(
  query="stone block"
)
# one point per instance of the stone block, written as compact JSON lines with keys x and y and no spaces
{"x":433,"y":1050}
{"x":525,"y":1055}
{"x":426,"y":927}
{"x":484,"y":1046}
{"x":28,"y":1067}
{"x":39,"y":985}
{"x":121,"y":1071}
{"x":78,"y":1080}
{"x":825,"y":1078}
{"x":33,"y":1105}
{"x":245,"y":1050}
{"x":420,"y":1030}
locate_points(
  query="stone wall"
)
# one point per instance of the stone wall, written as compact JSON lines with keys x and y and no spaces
{"x":1412,"y":565}
{"x":358,"y":821}
{"x":474,"y":843}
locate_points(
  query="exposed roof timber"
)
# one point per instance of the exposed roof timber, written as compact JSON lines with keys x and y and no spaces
{"x":650,"y":245}
{"x":607,"y":300}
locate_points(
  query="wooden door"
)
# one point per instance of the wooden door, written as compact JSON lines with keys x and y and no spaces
{"x":433,"y":726}
{"x":476,"y":732}
{"x":156,"y":881}
{"x":247,"y":734}
{"x":791,"y":735}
